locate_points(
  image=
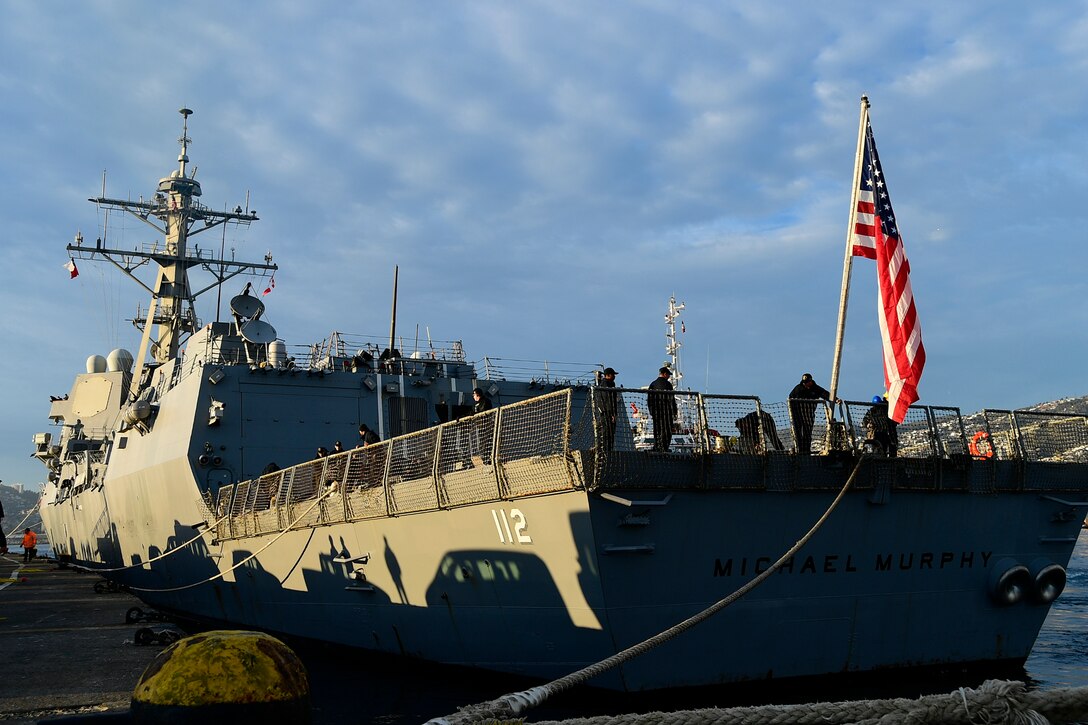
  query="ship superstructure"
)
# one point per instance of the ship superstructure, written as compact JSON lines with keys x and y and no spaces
{"x":534,"y":536}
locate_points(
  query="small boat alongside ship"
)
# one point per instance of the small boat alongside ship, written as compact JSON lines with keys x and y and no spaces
{"x":536,"y":537}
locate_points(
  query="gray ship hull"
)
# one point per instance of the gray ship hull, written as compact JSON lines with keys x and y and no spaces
{"x":609,"y":552}
{"x":522,"y":525}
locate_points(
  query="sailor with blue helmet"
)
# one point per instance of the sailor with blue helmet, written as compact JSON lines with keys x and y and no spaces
{"x":883,"y":432}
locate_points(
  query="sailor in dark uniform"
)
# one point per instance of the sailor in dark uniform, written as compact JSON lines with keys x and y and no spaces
{"x":483,"y":432}
{"x":803,"y":399}
{"x":880,"y":428}
{"x":750,"y":439}
{"x":483,"y":402}
{"x":607,"y":401}
{"x":662,"y":405}
{"x":367,"y":437}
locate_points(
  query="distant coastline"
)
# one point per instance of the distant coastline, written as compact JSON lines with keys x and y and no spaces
{"x":17,"y":505}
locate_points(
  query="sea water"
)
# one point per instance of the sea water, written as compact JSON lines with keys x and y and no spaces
{"x":1060,"y":656}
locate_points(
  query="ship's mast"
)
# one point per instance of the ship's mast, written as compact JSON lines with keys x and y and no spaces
{"x":672,"y":345}
{"x":175,"y":213}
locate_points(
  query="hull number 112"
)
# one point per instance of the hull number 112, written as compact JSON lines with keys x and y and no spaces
{"x":512,"y":528}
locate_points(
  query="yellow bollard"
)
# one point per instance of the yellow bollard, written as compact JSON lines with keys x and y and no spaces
{"x":223,"y":676}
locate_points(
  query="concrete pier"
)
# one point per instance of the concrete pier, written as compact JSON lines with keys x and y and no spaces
{"x":66,"y":649}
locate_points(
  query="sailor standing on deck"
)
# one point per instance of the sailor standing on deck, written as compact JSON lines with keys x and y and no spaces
{"x":483,"y":402}
{"x":881,"y":429}
{"x":607,"y":400}
{"x":662,"y":406}
{"x":367,"y":437}
{"x":803,"y":399}
{"x":484,"y":431}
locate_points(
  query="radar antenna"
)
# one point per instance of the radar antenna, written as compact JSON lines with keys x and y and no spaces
{"x":175,"y":213}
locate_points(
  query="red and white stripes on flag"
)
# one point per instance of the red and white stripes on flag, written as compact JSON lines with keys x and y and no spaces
{"x":876,"y":236}
{"x":70,"y":265}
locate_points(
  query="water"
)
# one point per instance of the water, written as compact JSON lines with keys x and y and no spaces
{"x":353,"y":687}
{"x":1060,"y":656}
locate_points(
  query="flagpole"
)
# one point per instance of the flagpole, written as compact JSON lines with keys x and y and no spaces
{"x":847,"y":264}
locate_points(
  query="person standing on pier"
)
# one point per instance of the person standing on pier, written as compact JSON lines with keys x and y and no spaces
{"x":30,"y":540}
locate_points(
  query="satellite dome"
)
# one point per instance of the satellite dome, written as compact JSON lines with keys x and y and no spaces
{"x":119,"y":360}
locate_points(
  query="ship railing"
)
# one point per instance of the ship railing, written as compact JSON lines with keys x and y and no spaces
{"x":926,"y":431}
{"x":538,"y":372}
{"x":340,"y":350}
{"x":517,"y":450}
{"x":213,"y":351}
{"x":630,"y":445}
{"x":606,"y":437}
{"x":1035,"y":435}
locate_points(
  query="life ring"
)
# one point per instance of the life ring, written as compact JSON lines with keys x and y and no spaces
{"x":973,"y":445}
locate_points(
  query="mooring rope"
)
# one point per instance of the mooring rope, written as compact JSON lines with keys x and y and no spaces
{"x":510,"y":705}
{"x":329,"y":490}
{"x":994,"y":702}
{"x":168,"y":552}
{"x":13,"y":534}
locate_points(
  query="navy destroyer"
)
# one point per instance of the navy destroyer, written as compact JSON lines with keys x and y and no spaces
{"x":534,"y":536}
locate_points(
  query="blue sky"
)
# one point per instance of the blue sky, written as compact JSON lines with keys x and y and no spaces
{"x":547,"y":174}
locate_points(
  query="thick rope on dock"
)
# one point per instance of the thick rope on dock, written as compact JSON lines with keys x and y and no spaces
{"x":995,"y":702}
{"x":513,"y":704}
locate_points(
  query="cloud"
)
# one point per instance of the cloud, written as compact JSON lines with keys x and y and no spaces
{"x":546,"y":174}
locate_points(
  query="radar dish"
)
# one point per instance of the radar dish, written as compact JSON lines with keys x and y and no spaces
{"x":258,"y":331}
{"x":246,"y":306}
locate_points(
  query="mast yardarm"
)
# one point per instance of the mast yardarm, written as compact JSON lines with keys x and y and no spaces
{"x":177,"y":215}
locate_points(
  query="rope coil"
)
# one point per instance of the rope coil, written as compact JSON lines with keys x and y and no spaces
{"x":994,"y":702}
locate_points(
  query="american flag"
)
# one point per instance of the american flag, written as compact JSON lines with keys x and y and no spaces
{"x":876,"y":236}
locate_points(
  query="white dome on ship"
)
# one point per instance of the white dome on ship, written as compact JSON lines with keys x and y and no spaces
{"x":119,"y":360}
{"x":277,"y":353}
{"x":96,"y":364}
